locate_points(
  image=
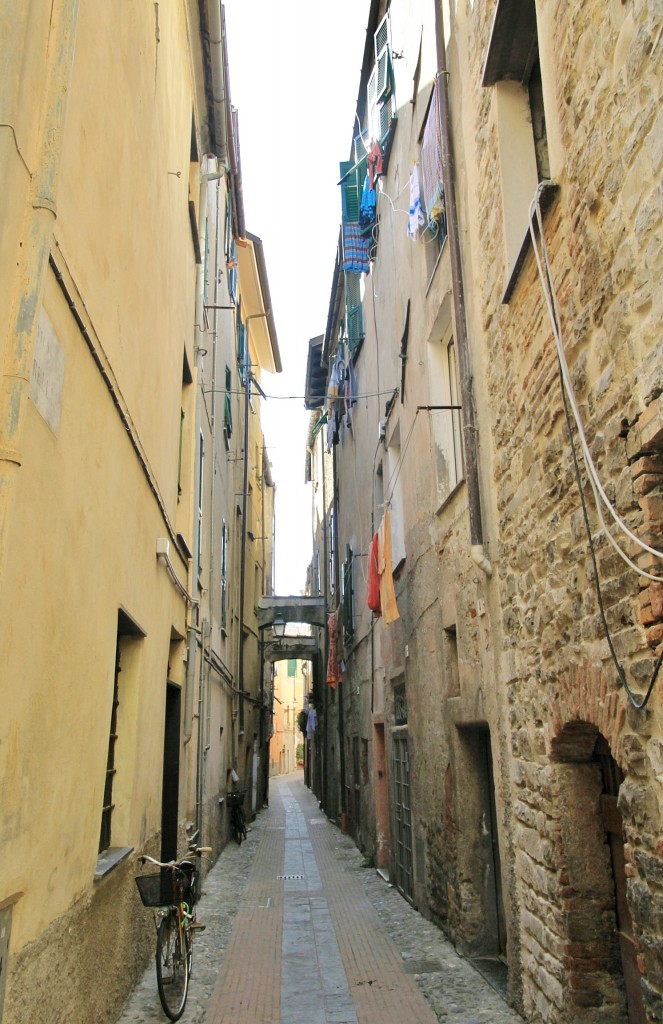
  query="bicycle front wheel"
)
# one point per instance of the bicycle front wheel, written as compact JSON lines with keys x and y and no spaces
{"x":172,"y":967}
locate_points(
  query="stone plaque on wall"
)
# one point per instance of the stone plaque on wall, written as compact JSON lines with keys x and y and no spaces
{"x":47,"y":376}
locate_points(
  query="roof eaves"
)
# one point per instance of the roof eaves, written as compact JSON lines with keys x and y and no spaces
{"x":266,"y":297}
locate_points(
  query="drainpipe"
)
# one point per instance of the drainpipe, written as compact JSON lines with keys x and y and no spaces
{"x":341,"y":723}
{"x":200,"y":754}
{"x":325,"y":590}
{"x":199,"y":352}
{"x":32,"y":272}
{"x":477,"y":551}
{"x":219,"y":78}
{"x":245,"y":489}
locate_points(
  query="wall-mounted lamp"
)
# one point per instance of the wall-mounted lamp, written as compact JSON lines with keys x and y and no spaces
{"x":278,"y":625}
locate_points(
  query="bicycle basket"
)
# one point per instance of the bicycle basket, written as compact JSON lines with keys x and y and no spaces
{"x":160,"y":890}
{"x":235,"y":798}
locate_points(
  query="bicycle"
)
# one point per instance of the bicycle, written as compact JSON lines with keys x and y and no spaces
{"x":237,"y":821}
{"x":173,"y":894}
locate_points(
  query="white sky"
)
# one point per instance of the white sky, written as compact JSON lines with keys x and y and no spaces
{"x":294,"y":78}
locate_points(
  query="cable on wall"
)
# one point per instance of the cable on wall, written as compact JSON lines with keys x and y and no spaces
{"x":568,"y":398}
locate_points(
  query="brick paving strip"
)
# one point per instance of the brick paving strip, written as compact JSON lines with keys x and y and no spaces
{"x":300,"y":931}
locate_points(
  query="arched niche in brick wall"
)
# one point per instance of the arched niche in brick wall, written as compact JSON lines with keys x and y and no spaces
{"x":598,"y":941}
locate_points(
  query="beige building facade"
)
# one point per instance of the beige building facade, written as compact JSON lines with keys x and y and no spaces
{"x":291,"y":679}
{"x":122,"y":446}
{"x":489,"y":745}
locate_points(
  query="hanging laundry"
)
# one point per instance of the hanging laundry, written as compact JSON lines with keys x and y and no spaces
{"x":374,"y":165}
{"x":387,"y":593}
{"x":416,"y":219}
{"x":368,"y":204}
{"x":373,"y":598}
{"x":350,"y":392}
{"x":333,"y":671}
{"x":356,"y":247}
{"x":311,"y":722}
{"x":432,"y":190}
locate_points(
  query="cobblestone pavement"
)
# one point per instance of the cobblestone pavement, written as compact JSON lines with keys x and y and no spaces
{"x":300,"y":931}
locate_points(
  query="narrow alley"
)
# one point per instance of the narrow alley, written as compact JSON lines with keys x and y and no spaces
{"x":301,"y":931}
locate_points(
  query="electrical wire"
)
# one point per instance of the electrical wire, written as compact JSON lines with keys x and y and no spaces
{"x":399,"y":465}
{"x":600,"y":496}
{"x":294,"y":398}
{"x":637,"y":704}
{"x":568,"y":398}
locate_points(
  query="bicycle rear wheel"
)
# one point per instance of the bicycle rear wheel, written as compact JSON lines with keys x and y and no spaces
{"x":172,"y":967}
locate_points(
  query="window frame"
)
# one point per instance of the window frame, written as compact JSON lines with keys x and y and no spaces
{"x":513,"y":54}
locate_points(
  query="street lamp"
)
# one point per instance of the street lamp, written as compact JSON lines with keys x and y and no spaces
{"x":278,"y":627}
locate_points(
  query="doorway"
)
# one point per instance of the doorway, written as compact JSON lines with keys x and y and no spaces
{"x":171,"y":773}
{"x":601,"y":971}
{"x":611,"y":779}
{"x":483,"y":923}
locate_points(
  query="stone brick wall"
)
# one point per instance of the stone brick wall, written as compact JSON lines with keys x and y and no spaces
{"x":602,"y":90}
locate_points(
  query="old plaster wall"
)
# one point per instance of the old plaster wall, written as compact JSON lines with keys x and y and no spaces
{"x":442,"y":649}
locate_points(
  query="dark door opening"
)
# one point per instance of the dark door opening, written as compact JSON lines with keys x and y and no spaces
{"x":483,"y":922}
{"x":171,"y":773}
{"x":612,"y":778}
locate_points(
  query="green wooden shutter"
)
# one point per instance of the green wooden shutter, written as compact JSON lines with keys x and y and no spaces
{"x":382,"y":36}
{"x":350,"y":192}
{"x":242,"y":342}
{"x":354,"y":323}
{"x":227,"y":409}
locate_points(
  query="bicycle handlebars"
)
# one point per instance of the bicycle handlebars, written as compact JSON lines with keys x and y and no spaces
{"x":198,"y":851}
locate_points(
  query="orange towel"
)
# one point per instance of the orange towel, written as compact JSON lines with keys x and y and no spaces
{"x":387,"y":592}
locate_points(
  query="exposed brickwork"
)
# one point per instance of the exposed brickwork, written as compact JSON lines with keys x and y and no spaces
{"x":603,"y":238}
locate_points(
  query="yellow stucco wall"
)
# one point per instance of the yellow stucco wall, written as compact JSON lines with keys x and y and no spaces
{"x":80,"y":532}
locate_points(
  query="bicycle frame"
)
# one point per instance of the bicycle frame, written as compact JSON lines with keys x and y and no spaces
{"x":175,"y":924}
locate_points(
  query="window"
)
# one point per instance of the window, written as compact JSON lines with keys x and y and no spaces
{"x":354,"y":323}
{"x":445,"y":418}
{"x":194,"y":169}
{"x":394,"y":495}
{"x":108,"y":805}
{"x":224,"y":575}
{"x":332,"y":554}
{"x":357,"y":229}
{"x":187,"y":380}
{"x":249,"y":525}
{"x":431,"y":178}
{"x":454,"y":400}
{"x":450,"y":656}
{"x":230,"y":250}
{"x":179,"y":457}
{"x":381,"y":102}
{"x":114,"y":814}
{"x":227,"y":410}
{"x":242,"y":345}
{"x":348,"y":597}
{"x":513,"y":68}
{"x":201,"y":461}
